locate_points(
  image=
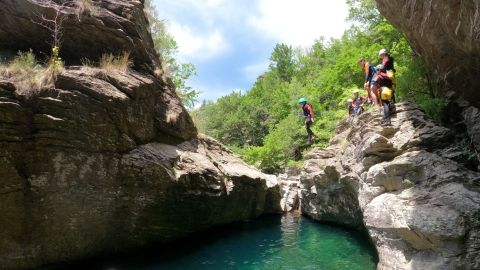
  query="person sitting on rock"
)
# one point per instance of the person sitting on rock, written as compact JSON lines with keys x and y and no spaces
{"x":369,"y":79}
{"x":350,"y":107}
{"x":358,"y":102}
{"x":308,"y":114}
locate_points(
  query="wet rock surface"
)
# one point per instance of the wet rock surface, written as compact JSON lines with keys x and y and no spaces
{"x":420,"y":207}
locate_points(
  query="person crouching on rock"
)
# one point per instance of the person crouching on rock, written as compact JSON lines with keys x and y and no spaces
{"x":358,"y":102}
{"x":308,"y":114}
{"x":351,"y":110}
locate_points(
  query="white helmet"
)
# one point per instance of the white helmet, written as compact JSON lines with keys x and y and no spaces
{"x":382,"y":51}
{"x":349,"y":100}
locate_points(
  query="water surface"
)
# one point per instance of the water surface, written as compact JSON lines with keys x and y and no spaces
{"x":273,"y":242}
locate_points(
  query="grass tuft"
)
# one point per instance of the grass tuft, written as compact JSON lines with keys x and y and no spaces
{"x":110,"y":62}
{"x":26,"y":73}
{"x":86,"y":7}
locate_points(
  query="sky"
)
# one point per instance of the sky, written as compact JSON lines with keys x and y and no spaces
{"x":230,"y":41}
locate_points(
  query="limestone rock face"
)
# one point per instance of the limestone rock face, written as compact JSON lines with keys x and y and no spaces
{"x":289,"y":182}
{"x":420,"y":206}
{"x":108,"y":162}
{"x":90,"y":29}
{"x":102,"y":160}
{"x":447,"y":35}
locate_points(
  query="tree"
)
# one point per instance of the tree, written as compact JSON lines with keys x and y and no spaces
{"x":54,"y":25}
{"x":167,"y":48}
{"x":264,"y":125}
{"x":282,"y":61}
{"x":364,"y":12}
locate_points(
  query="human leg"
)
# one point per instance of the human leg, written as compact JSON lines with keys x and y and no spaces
{"x":374,"y":94}
{"x":311,"y":135}
{"x":386,"y":112}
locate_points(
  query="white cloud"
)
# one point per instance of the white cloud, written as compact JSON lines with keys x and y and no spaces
{"x":212,"y":90}
{"x":220,"y":36}
{"x":300,"y":22}
{"x":214,"y":3}
{"x":254,"y":70}
{"x":198,"y":45}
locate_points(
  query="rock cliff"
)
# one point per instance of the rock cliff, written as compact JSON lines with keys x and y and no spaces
{"x":90,"y":29}
{"x":447,"y":35}
{"x":405,"y":184}
{"x":106,"y":161}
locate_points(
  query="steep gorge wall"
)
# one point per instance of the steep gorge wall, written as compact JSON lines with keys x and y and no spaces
{"x":405,"y":184}
{"x":447,"y":35}
{"x":106,"y":161}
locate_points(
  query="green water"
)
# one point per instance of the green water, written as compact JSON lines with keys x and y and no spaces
{"x":274,"y":242}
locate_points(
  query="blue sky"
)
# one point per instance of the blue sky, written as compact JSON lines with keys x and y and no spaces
{"x":230,"y":41}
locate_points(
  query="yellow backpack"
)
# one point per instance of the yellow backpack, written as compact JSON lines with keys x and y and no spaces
{"x":391,"y":75}
{"x":386,"y":93}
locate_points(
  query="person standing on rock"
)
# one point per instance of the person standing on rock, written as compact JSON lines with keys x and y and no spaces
{"x":369,"y":80}
{"x":308,"y":114}
{"x":389,"y":69}
{"x":386,"y":93}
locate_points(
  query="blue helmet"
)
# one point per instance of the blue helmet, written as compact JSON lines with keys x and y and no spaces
{"x":302,"y":100}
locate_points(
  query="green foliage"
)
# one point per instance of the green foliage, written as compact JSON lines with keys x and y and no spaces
{"x":23,"y":62}
{"x":188,"y":95}
{"x":282,"y":144}
{"x":263,"y":125}
{"x":56,"y":63}
{"x":234,"y":120}
{"x":167,"y":48}
{"x":363,"y":12}
{"x":281,"y":61}
{"x":432,"y":106}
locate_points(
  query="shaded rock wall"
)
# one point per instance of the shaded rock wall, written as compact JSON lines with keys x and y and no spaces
{"x":107,"y":26}
{"x":109,"y":162}
{"x":447,"y":35}
{"x":405,"y":184}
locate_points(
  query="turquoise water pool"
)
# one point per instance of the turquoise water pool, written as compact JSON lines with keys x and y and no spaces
{"x":273,"y":242}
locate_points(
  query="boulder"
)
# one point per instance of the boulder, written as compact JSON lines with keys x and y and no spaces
{"x":420,"y":207}
{"x":447,"y":35}
{"x":289,"y":182}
